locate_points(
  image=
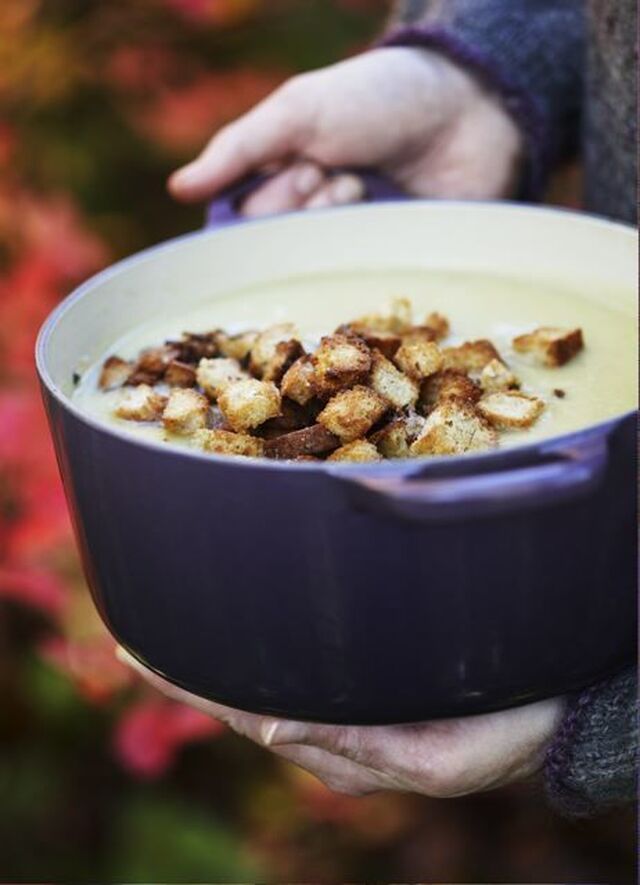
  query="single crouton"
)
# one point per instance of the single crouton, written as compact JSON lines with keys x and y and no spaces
{"x":551,"y":346}
{"x":185,"y":412}
{"x":352,"y":413}
{"x":399,"y":320}
{"x":452,"y":428}
{"x":286,"y":353}
{"x":448,"y":385}
{"x":298,"y":381}
{"x":180,"y":374}
{"x":392,"y":384}
{"x":438,"y":324}
{"x":509,"y":409}
{"x":471,"y":357}
{"x":358,"y":451}
{"x":314,"y":440}
{"x":225,"y":442}
{"x":392,"y":441}
{"x":418,"y":356}
{"x":153,"y":362}
{"x":214,"y":375}
{"x":249,"y":403}
{"x":340,"y":362}
{"x":496,"y":377}
{"x":115,"y":373}
{"x":236,"y":347}
{"x":195,"y":346}
{"x":141,"y":403}
{"x":264,"y":347}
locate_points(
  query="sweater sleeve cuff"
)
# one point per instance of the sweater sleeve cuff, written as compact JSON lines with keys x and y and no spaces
{"x":591,"y":765}
{"x":521,"y":104}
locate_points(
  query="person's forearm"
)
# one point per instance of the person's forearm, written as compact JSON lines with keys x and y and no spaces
{"x":530,"y":51}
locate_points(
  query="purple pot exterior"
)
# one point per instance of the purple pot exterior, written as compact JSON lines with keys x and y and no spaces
{"x":351,"y":596}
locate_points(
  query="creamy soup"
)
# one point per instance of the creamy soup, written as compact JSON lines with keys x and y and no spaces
{"x":600,"y":383}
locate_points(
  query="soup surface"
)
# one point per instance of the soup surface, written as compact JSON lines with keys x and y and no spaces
{"x":600,"y":383}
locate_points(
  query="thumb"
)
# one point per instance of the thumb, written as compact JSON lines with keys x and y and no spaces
{"x":272,"y":132}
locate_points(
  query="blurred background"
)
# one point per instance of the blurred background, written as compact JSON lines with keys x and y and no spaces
{"x":101,"y":778}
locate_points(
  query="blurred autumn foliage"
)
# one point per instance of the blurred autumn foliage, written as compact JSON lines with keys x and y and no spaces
{"x":101,"y":778}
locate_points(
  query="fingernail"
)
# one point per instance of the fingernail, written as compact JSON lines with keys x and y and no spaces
{"x":274,"y":732}
{"x":268,"y":731}
{"x":307,"y":179}
{"x":188,"y":176}
{"x":347,"y":189}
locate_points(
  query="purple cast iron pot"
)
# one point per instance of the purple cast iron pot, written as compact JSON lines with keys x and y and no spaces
{"x":380,"y":593}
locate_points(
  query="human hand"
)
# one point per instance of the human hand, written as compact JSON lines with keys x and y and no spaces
{"x":409,"y":113}
{"x":443,"y":759}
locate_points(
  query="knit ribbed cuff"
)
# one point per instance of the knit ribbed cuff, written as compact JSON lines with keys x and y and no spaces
{"x":523,"y":106}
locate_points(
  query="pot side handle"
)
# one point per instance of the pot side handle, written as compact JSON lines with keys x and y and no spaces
{"x":565,"y":475}
{"x":225,"y":210}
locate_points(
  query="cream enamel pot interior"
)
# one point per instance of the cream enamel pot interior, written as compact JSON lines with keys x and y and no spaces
{"x":367,"y":593}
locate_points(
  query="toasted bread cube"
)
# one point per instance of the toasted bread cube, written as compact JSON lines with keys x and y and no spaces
{"x":453,"y":428}
{"x":264,"y":347}
{"x":214,"y":375}
{"x":314,"y":440}
{"x":511,"y":409}
{"x":418,"y":356}
{"x":470,"y":357}
{"x":225,"y":442}
{"x":180,"y":374}
{"x":386,"y":342}
{"x":393,"y":441}
{"x":195,"y":346}
{"x":352,"y":413}
{"x":551,"y":346}
{"x":448,"y":385}
{"x":115,"y":373}
{"x":249,"y":403}
{"x":340,"y":362}
{"x":438,"y":324}
{"x":360,"y":451}
{"x":496,"y":377}
{"x":185,"y":412}
{"x":141,"y":403}
{"x":399,"y":320}
{"x":286,"y":353}
{"x":236,"y":347}
{"x":298,"y":382}
{"x":392,"y":384}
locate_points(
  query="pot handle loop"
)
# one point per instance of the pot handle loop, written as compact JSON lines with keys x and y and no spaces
{"x":225,"y":210}
{"x":565,"y":475}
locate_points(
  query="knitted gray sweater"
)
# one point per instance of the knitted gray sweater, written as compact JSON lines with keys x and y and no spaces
{"x":566,"y":70}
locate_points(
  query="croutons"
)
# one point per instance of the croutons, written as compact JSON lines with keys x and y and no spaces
{"x":298,"y":381}
{"x":392,"y":441}
{"x":195,"y":346}
{"x":236,"y":347}
{"x":398,"y":321}
{"x":352,"y":413}
{"x":115,"y":373}
{"x":152,"y":364}
{"x":418,"y":356}
{"x":359,"y":451}
{"x":141,"y":403}
{"x":511,"y":409}
{"x":180,"y":374}
{"x":286,"y":353}
{"x":496,"y":377}
{"x":185,"y":412}
{"x":249,"y":403}
{"x":453,"y":428}
{"x":438,"y":324}
{"x":214,"y":375}
{"x":264,"y":347}
{"x":225,"y":442}
{"x":386,"y":342}
{"x":340,"y":362}
{"x":390,"y":383}
{"x":314,"y":440}
{"x":471,"y":357}
{"x":448,"y":385}
{"x":551,"y":346}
